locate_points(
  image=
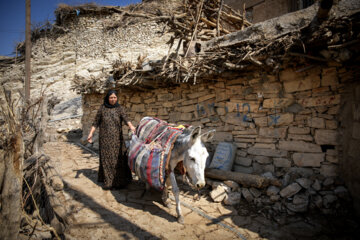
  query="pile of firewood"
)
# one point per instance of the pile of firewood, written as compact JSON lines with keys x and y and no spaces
{"x":204,"y":20}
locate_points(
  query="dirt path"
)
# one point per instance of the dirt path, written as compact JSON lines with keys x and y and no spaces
{"x":124,"y":214}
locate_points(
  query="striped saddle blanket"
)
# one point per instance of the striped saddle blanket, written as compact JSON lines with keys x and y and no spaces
{"x":150,"y":150}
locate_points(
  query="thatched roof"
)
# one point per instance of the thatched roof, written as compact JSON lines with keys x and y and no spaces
{"x":299,"y":37}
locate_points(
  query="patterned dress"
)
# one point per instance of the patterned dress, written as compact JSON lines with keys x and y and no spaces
{"x":113,"y":169}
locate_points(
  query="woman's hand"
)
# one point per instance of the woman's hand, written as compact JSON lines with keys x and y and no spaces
{"x":132,"y":128}
{"x":89,"y":138}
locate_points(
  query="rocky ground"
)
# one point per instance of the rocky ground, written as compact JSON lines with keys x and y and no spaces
{"x":124,"y":214}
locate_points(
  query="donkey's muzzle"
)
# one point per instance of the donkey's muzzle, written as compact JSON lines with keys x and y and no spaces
{"x":200,"y":184}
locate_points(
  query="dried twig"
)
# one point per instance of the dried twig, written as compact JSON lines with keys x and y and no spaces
{"x":218,"y":18}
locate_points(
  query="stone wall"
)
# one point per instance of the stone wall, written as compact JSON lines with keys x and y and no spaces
{"x":286,"y":125}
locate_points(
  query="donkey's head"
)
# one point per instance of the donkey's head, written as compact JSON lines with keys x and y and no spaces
{"x":196,"y":154}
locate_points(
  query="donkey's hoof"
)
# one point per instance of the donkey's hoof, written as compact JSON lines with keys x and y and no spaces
{"x":181,"y":220}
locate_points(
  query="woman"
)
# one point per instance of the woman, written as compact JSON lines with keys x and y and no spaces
{"x":113,"y":169}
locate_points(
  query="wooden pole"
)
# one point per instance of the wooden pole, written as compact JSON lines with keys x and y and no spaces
{"x":246,"y":180}
{"x":324,"y":9}
{"x":27,"y":49}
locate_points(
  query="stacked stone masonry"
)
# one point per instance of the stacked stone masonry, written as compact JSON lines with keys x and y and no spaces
{"x":284,"y":126}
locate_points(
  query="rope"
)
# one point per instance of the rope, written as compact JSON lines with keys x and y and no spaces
{"x":201,"y":213}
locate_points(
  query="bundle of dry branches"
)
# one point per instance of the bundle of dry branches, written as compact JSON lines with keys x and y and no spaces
{"x":28,"y":179}
{"x":204,"y":20}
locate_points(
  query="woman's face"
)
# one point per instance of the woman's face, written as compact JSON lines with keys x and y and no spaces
{"x":112,"y":99}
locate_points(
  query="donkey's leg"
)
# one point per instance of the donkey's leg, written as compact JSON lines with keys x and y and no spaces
{"x":176,"y":192}
{"x":146,"y":190}
{"x":165,"y":194}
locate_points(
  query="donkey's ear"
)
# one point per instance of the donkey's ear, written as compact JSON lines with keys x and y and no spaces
{"x":195,"y":133}
{"x":205,"y":137}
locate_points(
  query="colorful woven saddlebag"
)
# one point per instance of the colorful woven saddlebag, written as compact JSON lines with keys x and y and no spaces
{"x":150,"y":150}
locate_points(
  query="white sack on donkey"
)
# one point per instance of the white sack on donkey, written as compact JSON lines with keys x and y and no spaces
{"x":158,"y":147}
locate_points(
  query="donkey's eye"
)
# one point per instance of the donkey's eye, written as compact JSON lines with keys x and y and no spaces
{"x":192,"y":159}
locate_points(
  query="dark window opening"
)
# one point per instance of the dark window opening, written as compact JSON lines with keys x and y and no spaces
{"x":324,"y":148}
{"x":295,"y":5}
{"x":197,"y":47}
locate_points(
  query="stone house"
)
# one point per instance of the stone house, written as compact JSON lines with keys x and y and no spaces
{"x":296,"y":116}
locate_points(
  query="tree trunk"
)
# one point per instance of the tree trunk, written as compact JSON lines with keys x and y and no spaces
{"x":11,"y":187}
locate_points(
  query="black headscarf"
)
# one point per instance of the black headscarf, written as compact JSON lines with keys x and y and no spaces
{"x":106,"y":100}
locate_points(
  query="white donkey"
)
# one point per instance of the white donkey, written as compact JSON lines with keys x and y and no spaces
{"x":190,"y":149}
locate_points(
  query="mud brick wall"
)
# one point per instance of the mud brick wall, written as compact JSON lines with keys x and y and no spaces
{"x":286,"y":124}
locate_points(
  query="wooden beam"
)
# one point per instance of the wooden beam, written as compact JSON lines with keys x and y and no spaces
{"x":247,"y":180}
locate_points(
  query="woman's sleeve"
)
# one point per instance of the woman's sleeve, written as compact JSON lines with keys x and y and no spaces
{"x":97,"y":120}
{"x":123,"y":114}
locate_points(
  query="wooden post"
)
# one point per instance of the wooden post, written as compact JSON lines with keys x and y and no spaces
{"x":27,"y":49}
{"x":11,"y":162}
{"x":324,"y":9}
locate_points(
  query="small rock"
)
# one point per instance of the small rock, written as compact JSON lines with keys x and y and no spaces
{"x":311,"y":191}
{"x":216,"y":184}
{"x":290,"y":190}
{"x":304,"y":182}
{"x":277,"y":206}
{"x":57,"y":183}
{"x":42,"y":234}
{"x":247,"y":195}
{"x":328,"y":200}
{"x":232,"y":198}
{"x":241,"y":220}
{"x":63,"y":138}
{"x":61,"y":130}
{"x":316,"y":185}
{"x":266,"y":200}
{"x":275,"y":198}
{"x":285,"y":181}
{"x":272,"y":190}
{"x":300,"y":199}
{"x":297,"y":207}
{"x":268,"y":175}
{"x":341,"y":192}
{"x":328,"y":181}
{"x":323,"y":193}
{"x":218,"y":194}
{"x":258,"y":202}
{"x":233,"y":185}
{"x":256,"y":193}
{"x":318,"y":201}
{"x":96,"y":145}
